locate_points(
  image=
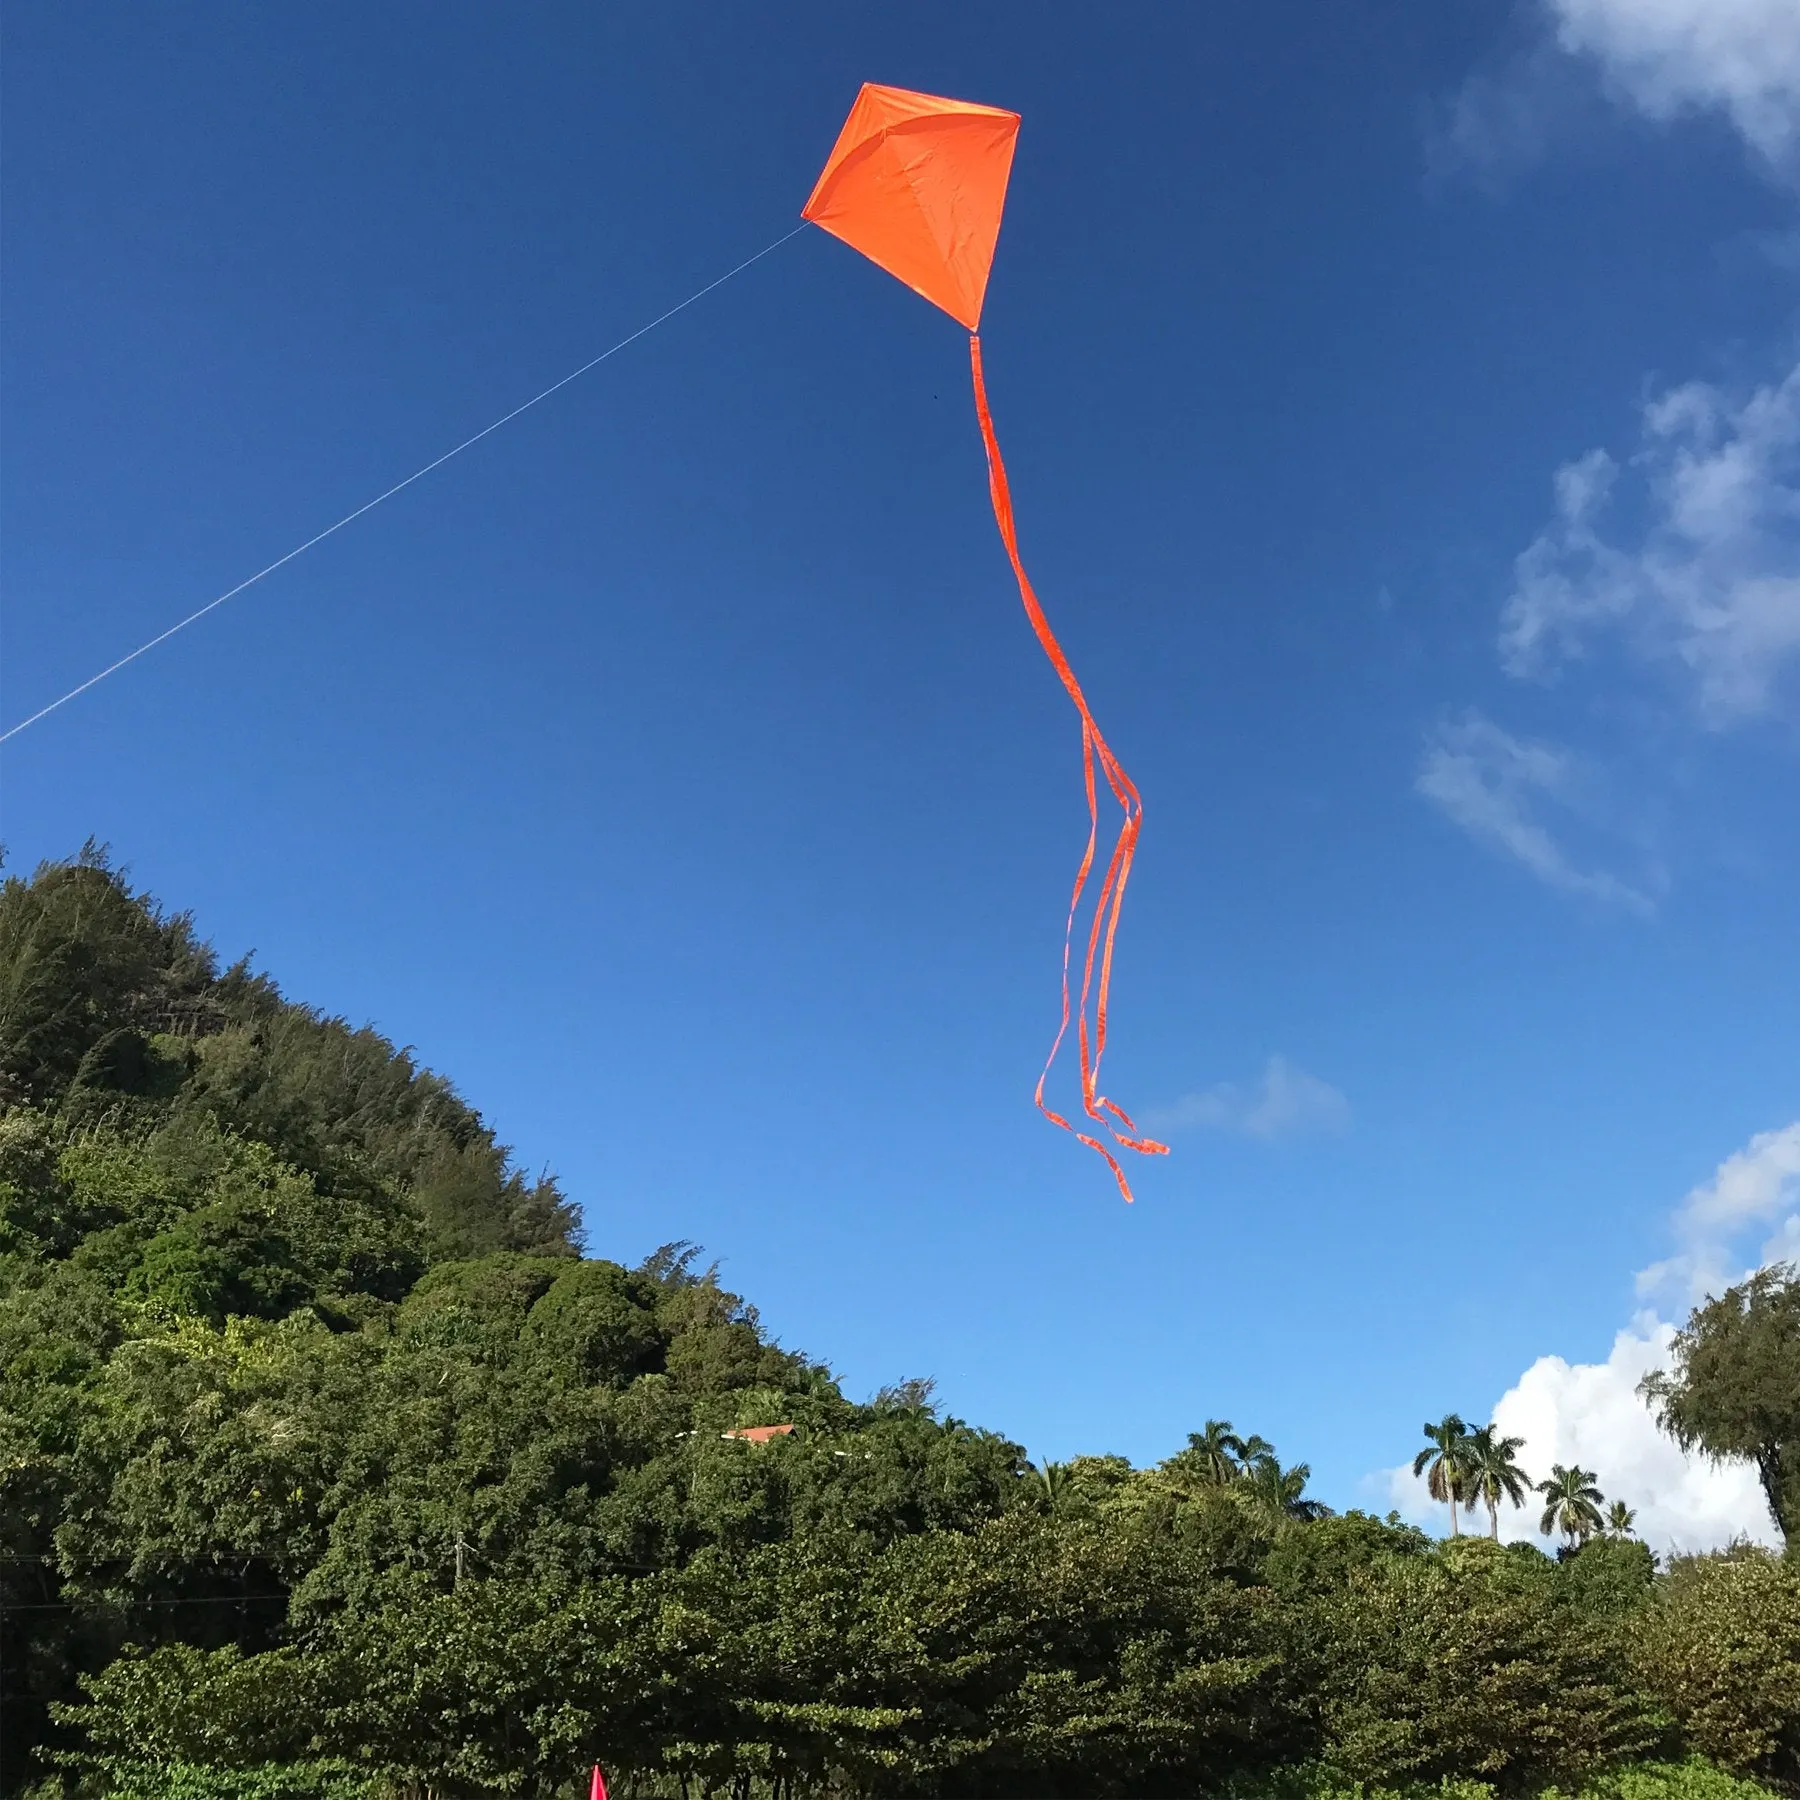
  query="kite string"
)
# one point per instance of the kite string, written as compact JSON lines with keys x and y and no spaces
{"x":417,"y":474}
{"x":1105,"y":925}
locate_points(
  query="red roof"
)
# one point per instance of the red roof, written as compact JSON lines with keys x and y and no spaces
{"x":760,"y":1434}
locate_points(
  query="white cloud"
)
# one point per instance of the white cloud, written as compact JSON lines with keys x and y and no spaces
{"x":1757,"y":1187}
{"x":1710,"y":576}
{"x":1286,"y":1102}
{"x":1592,"y":1414}
{"x":1669,"y":57}
{"x":1495,"y":786}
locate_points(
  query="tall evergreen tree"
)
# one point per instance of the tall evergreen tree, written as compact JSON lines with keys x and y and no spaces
{"x":1494,"y":1473}
{"x":1444,"y":1462}
{"x":1571,"y":1504}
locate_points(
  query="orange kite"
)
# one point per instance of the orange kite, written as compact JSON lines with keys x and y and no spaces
{"x":917,"y":184}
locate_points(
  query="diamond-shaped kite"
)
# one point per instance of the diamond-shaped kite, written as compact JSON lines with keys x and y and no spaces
{"x":917,"y":184}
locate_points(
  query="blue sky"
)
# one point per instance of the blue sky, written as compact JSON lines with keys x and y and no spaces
{"x":1400,"y":409}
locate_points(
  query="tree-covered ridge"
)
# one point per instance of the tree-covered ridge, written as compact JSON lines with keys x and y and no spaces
{"x":114,"y":1013}
{"x":329,"y":1466}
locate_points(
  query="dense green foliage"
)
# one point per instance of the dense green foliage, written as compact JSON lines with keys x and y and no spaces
{"x":1733,"y":1390}
{"x":330,"y":1467}
{"x":1720,"y":1644}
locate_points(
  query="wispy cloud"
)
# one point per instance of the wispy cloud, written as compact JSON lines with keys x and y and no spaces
{"x":1503,"y":120}
{"x":1669,"y":57}
{"x":1658,"y":59}
{"x":1285,"y":1102}
{"x":1592,"y":1413}
{"x":1757,"y":1189}
{"x":1710,"y":577}
{"x":1497,"y":786}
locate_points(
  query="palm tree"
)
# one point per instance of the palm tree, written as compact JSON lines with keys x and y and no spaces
{"x":1215,"y":1454}
{"x":1055,"y":1486}
{"x":1281,"y":1492}
{"x":1494,"y":1473}
{"x":1251,"y":1451}
{"x":1444,"y":1462}
{"x":1571,"y":1504}
{"x":1619,"y":1520}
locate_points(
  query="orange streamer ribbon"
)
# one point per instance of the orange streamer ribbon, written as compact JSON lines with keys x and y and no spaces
{"x":1105,"y":925}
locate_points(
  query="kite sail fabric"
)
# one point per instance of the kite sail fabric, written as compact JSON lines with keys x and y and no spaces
{"x":918,"y":184}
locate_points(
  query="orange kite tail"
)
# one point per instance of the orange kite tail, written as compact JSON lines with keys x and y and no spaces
{"x":1105,"y":925}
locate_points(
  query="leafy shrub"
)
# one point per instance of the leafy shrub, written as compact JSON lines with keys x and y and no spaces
{"x":1333,"y":1550}
{"x":182,"y":1707}
{"x":1313,"y":1782}
{"x":1611,"y":1576}
{"x":1695,"y":1779}
{"x":1720,"y":1647}
{"x":127,"y":1780}
{"x":1467,"y":1664}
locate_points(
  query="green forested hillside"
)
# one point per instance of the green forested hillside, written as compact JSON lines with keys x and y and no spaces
{"x":329,"y":1464}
